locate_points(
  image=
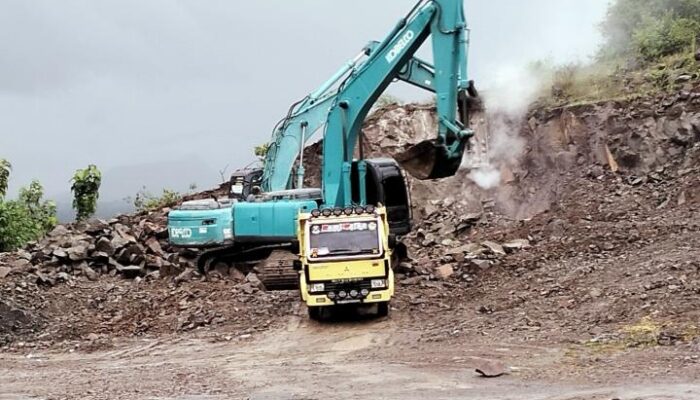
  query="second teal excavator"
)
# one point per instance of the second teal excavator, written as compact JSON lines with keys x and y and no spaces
{"x":260,"y":230}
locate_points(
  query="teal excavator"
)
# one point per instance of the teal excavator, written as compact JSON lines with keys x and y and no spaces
{"x":259,"y":229}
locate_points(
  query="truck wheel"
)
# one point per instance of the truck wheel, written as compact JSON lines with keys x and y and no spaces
{"x":383,"y":309}
{"x":315,"y":313}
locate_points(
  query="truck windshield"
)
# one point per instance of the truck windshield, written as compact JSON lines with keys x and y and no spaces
{"x":339,"y":239}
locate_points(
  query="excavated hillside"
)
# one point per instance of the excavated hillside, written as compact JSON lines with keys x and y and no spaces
{"x":595,"y":220}
{"x":592,"y":227}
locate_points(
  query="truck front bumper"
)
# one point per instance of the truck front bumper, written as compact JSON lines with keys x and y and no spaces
{"x":377,"y":296}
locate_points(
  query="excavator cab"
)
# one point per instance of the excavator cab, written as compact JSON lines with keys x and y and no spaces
{"x":385,"y":185}
{"x":243,"y":181}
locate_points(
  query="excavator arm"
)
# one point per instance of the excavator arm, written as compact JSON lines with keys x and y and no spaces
{"x":310,"y":114}
{"x":289,"y":141}
{"x":342,"y":103}
{"x":301,"y":122}
{"x":444,"y":21}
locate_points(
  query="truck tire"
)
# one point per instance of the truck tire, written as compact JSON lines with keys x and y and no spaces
{"x":383,"y":309}
{"x":315,"y":313}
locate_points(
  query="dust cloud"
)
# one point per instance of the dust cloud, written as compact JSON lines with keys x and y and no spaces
{"x":506,"y":102}
{"x":486,"y":177}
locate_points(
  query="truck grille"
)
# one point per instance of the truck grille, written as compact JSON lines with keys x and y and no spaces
{"x":348,"y":286}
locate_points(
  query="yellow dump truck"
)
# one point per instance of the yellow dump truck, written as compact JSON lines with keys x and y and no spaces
{"x":345,"y":258}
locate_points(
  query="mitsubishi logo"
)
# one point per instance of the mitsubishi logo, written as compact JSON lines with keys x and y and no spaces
{"x":347,"y":269}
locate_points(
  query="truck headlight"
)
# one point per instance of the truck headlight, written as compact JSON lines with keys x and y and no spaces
{"x":317,"y":287}
{"x":378,"y":283}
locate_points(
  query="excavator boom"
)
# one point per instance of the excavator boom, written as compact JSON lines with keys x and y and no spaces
{"x":444,"y":22}
{"x":341,"y":104}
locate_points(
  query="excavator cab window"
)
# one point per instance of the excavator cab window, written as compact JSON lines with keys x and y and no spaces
{"x":385,"y":184}
{"x":397,"y":204}
{"x":242,"y":181}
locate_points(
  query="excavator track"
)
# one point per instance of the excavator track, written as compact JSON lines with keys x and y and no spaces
{"x":274,"y":264}
{"x":277,"y":271}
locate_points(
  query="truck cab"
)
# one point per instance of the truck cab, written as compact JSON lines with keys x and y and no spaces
{"x":345,"y":258}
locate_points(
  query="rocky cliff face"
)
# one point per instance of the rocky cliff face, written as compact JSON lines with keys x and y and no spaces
{"x":532,"y":153}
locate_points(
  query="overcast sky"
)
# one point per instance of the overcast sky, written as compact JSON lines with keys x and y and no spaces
{"x":194,"y":85}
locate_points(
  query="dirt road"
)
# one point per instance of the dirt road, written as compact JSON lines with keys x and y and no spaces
{"x":342,"y":360}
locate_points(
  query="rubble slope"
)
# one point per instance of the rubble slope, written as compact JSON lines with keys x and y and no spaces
{"x":593,"y":227}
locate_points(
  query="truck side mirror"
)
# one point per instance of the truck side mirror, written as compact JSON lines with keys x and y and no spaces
{"x":297,"y":265}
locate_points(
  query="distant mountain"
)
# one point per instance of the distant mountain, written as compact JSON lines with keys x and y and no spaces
{"x":120,"y":184}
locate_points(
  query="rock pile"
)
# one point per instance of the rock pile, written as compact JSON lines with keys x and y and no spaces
{"x":442,"y":247}
{"x":131,"y":246}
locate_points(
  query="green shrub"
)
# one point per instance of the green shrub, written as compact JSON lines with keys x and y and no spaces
{"x":261,"y":151}
{"x":565,"y":81}
{"x":145,"y":201}
{"x":43,"y":213}
{"x":16,"y":226}
{"x":26,"y":219}
{"x":650,"y":29}
{"x":666,"y":36}
{"x":5,"y":169}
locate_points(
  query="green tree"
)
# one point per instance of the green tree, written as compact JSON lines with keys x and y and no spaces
{"x":5,"y":169}
{"x":665,"y":36}
{"x":43,"y":213}
{"x":86,"y":191}
{"x":261,"y":151}
{"x":649,"y":29}
{"x":27,"y":218}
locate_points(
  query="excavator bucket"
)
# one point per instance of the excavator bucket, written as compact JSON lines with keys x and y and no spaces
{"x":428,"y":160}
